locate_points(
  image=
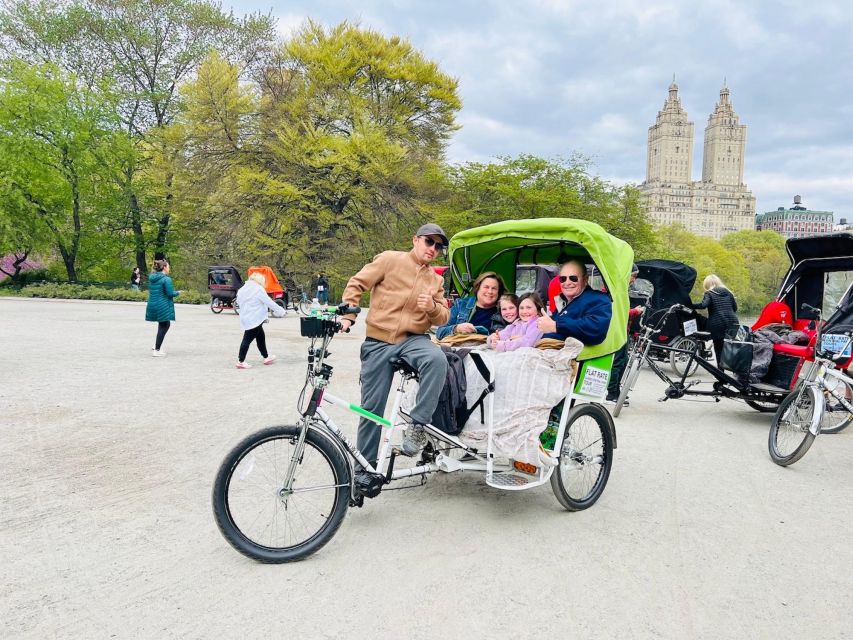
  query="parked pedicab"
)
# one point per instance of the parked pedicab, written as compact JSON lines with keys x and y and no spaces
{"x":223,"y":282}
{"x":669,"y":282}
{"x":272,"y":286}
{"x":821,"y":271}
{"x":282,"y":493}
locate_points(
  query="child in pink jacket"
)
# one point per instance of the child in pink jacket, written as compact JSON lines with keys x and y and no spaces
{"x":523,"y":332}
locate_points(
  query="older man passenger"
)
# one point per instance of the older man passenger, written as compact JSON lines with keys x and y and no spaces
{"x":583,"y":313}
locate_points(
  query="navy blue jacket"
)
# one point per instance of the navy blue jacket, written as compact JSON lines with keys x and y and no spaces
{"x":586,"y":318}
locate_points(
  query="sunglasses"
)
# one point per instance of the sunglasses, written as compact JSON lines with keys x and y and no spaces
{"x":439,"y":246}
{"x":571,"y":278}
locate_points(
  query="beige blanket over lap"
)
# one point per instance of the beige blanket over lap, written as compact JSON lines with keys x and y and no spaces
{"x":528,"y":383}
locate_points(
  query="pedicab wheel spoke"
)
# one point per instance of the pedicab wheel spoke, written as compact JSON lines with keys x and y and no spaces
{"x":790,"y":436}
{"x":216,"y":305}
{"x":263,"y":521}
{"x":586,"y":456}
{"x":679,"y":361}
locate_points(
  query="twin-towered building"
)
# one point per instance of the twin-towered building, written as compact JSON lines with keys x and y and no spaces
{"x":718,"y":204}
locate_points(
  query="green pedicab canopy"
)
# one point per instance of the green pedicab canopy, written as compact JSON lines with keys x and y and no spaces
{"x":499,"y":247}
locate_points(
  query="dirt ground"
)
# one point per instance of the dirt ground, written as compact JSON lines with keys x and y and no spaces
{"x":108,"y":456}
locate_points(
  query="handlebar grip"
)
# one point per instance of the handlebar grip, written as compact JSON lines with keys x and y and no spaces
{"x":345,"y":309}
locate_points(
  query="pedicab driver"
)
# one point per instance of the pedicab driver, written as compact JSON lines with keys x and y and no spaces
{"x":406,"y":299}
{"x":585,"y":314}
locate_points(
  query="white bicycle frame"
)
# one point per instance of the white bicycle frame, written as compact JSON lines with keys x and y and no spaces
{"x":484,"y":463}
{"x":816,"y":376}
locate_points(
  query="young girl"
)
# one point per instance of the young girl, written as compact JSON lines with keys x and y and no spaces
{"x":507,"y":314}
{"x":523,"y":332}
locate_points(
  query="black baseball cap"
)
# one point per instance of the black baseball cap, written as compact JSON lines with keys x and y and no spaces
{"x":431,"y":229}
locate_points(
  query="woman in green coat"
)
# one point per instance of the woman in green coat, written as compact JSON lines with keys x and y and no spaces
{"x":161,"y":305}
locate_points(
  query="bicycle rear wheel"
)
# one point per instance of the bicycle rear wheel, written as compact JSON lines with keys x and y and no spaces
{"x":681,"y":361}
{"x":305,"y":306}
{"x":262,"y":521}
{"x":835,"y":417}
{"x":791,"y":431}
{"x":586,"y":456}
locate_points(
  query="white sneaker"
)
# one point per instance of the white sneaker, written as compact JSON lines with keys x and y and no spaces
{"x":269,"y":359}
{"x":244,"y":365}
{"x":158,"y":354}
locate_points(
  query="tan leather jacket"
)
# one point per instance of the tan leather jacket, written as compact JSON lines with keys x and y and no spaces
{"x":395,"y":279}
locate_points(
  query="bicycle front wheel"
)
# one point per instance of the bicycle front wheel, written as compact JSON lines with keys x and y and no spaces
{"x":305,"y":306}
{"x":586,"y":456}
{"x":262,"y":520}
{"x":790,"y":432}
{"x":682,"y":361}
{"x":627,"y":384}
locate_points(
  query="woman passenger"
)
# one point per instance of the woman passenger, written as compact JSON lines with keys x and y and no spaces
{"x":477,"y":310}
{"x":721,"y":305}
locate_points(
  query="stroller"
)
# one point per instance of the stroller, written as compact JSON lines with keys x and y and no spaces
{"x":223,"y":283}
{"x":659,"y":285}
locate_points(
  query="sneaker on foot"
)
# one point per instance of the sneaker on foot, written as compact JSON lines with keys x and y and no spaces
{"x":269,"y":359}
{"x":158,"y":353}
{"x":414,"y":440}
{"x":244,"y":365}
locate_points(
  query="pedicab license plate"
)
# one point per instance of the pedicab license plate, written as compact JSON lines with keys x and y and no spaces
{"x":690,"y":327}
{"x":834,"y":343}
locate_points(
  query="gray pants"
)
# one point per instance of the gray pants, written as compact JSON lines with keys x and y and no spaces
{"x":376,"y":377}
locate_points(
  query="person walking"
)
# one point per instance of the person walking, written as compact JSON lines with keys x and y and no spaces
{"x":161,"y":303}
{"x":721,"y":305}
{"x":322,"y":288}
{"x":406,"y":299}
{"x":135,"y":278}
{"x":254,"y":303}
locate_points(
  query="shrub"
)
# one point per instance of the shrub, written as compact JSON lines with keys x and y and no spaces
{"x":90,"y":292}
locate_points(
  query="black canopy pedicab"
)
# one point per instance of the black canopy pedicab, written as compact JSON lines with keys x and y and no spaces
{"x":223,"y":282}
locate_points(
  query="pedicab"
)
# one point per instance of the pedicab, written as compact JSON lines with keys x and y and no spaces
{"x":282,"y":493}
{"x":223,"y":282}
{"x":669,"y":282}
{"x":272,"y":286}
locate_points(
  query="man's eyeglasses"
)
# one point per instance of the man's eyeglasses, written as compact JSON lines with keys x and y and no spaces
{"x":572,"y":278}
{"x":439,"y":246}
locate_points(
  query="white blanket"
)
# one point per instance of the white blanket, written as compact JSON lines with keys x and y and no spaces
{"x":528,"y":383}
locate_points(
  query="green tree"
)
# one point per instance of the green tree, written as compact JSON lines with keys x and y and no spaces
{"x":55,"y":135}
{"x":329,"y":153}
{"x":530,"y":187}
{"x":763,"y":253}
{"x":148,"y":47}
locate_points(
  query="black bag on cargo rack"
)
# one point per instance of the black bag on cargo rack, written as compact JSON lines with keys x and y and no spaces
{"x":452,"y":411}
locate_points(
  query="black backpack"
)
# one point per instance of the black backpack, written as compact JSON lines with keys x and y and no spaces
{"x":452,"y":411}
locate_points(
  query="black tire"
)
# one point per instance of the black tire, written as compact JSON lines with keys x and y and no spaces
{"x":678,"y":361}
{"x":236,"y":307}
{"x":835,"y":417}
{"x":242,"y":509}
{"x":304,"y":307}
{"x":764,"y":406}
{"x":790,"y":432}
{"x":216,"y":305}
{"x":586,"y":457}
{"x":281,"y":303}
{"x":627,"y":384}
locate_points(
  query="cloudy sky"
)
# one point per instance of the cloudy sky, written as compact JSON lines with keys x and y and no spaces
{"x":554,"y":77}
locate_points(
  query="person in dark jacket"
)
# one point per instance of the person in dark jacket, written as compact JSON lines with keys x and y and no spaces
{"x":322,"y":288}
{"x":161,"y":305}
{"x":585,"y":314}
{"x":135,"y":278}
{"x":721,"y":305}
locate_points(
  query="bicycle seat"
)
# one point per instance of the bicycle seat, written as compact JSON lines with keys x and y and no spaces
{"x":402,"y":366}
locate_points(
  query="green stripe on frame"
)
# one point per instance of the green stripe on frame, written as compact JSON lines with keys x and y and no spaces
{"x":367,"y":414}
